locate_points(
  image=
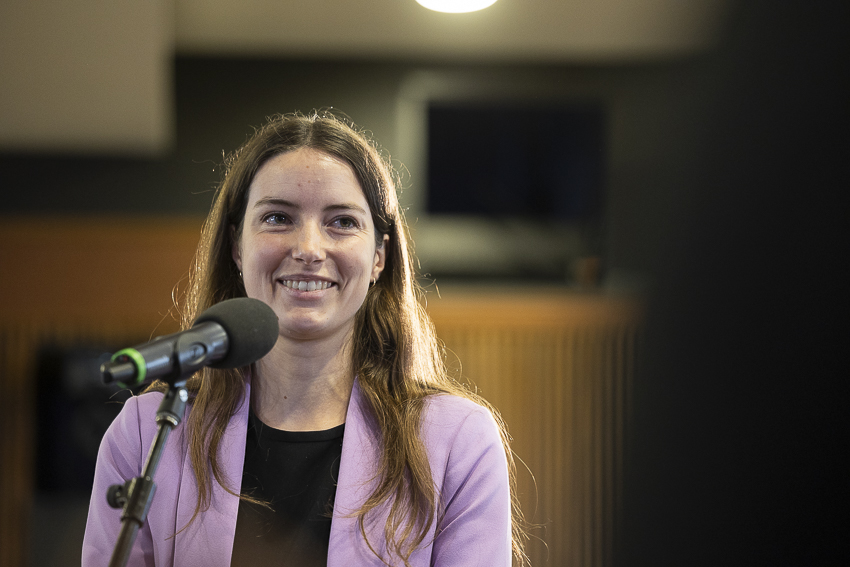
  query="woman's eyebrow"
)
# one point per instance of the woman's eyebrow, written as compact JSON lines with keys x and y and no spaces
{"x":346,"y":207}
{"x":275,"y":202}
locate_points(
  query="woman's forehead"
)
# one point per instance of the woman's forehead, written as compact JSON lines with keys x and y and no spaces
{"x":306,"y":174}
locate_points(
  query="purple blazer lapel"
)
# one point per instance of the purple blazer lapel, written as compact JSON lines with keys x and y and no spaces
{"x":357,"y":473}
{"x":208,"y":541}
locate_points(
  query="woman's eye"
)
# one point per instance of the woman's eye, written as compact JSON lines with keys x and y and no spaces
{"x":345,"y":222}
{"x":275,"y":219}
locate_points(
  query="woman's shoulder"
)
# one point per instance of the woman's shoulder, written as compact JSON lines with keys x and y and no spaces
{"x":137,"y":412}
{"x":144,"y":403}
{"x":147,"y":400}
{"x":452,"y":404}
{"x":449,"y":414}
{"x":462,"y":437}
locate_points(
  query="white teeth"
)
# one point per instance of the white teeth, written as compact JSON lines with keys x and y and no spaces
{"x":302,"y":285}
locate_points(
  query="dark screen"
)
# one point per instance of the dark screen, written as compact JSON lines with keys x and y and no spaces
{"x":516,"y":161}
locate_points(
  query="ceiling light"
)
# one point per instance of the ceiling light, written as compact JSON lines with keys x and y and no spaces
{"x":456,"y":6}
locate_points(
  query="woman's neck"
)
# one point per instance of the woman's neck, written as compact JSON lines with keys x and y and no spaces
{"x":303,"y":385}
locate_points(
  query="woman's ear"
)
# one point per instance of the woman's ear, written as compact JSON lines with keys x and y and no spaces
{"x":236,"y":249}
{"x":380,"y":257}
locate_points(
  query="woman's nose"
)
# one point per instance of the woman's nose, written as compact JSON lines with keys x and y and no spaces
{"x":309,"y":245}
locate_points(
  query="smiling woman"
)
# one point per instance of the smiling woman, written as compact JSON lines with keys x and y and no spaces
{"x":347,"y":444}
{"x":307,"y":245}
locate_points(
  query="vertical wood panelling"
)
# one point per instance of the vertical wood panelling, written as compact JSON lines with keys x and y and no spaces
{"x":557,"y":368}
{"x":71,"y":281}
{"x":15,"y":444}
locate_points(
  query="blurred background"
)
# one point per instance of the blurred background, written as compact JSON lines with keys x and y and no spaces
{"x":627,"y":214}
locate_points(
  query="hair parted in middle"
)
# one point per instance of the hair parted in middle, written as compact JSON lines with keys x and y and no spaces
{"x":395,"y":352}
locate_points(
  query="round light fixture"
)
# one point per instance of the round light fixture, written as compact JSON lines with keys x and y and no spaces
{"x":456,"y":6}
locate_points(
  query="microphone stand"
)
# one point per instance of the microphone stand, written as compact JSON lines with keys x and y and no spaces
{"x":135,"y":495}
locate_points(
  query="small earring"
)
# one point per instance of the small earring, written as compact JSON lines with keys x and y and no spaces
{"x":240,"y":275}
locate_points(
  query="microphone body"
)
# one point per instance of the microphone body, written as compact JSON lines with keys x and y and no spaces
{"x":230,"y":334}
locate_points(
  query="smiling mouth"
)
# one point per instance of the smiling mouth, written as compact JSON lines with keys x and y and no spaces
{"x":312,"y":285}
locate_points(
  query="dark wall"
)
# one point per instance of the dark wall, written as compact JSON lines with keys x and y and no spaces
{"x":737,"y":437}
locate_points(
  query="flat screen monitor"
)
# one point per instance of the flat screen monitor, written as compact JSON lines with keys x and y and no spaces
{"x":506,"y":160}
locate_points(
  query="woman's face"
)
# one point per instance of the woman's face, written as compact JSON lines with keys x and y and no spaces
{"x":308,"y":246}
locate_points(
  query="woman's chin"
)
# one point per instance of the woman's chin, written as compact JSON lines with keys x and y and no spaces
{"x":309,"y":330}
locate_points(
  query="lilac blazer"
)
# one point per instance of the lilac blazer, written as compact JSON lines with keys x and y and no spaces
{"x":468,"y":466}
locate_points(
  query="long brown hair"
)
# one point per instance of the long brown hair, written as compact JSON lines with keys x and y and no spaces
{"x":395,"y":353}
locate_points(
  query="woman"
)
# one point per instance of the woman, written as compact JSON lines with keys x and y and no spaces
{"x":403,"y":465}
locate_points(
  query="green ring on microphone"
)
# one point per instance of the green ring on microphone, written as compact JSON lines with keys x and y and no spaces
{"x":138,"y":360}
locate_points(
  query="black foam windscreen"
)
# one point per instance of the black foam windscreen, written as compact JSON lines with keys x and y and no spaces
{"x":251,"y":327}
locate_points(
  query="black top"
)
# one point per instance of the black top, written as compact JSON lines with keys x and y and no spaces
{"x":296,"y":473}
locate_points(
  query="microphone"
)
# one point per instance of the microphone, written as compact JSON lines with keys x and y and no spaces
{"x":230,"y":334}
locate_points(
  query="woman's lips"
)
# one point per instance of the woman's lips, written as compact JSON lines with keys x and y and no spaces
{"x":307,"y":285}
